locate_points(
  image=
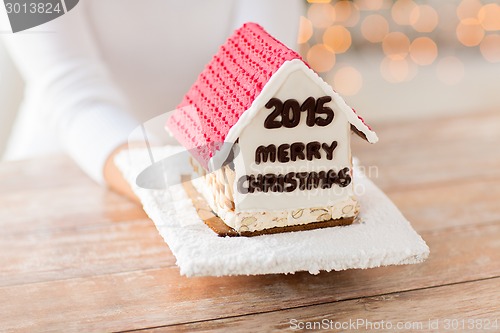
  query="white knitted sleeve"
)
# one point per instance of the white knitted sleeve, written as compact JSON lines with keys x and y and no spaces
{"x":61,"y":64}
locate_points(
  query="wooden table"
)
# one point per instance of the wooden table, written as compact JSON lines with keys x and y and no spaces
{"x":75,"y":257}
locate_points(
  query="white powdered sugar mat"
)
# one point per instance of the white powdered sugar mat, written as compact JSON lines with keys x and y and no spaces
{"x":381,"y":236}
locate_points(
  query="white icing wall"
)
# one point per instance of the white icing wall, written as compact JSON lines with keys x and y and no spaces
{"x":297,"y":86}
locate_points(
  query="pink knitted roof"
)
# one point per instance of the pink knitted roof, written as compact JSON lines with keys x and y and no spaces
{"x":226,"y":88}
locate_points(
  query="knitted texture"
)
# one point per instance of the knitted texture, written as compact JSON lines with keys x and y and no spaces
{"x":226,"y":88}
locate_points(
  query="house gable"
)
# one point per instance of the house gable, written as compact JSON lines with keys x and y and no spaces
{"x":293,"y":81}
{"x":270,"y":88}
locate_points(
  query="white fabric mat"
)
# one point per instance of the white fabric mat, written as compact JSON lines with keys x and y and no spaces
{"x":381,"y":237}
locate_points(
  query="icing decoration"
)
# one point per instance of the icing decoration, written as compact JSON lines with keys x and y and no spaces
{"x":278,"y":80}
{"x":289,"y":112}
{"x":292,"y":181}
{"x":293,"y":152}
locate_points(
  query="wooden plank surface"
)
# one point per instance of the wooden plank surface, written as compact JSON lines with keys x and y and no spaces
{"x":162,"y":297}
{"x":75,"y":257}
{"x":424,"y":152}
{"x":425,"y":310}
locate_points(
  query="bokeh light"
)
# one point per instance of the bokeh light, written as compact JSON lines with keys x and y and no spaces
{"x":470,"y":32}
{"x":319,"y":1}
{"x":347,"y":81}
{"x":490,"y":48}
{"x":322,"y":15}
{"x":396,"y":45}
{"x":397,"y":70}
{"x":401,"y":11}
{"x":370,"y":4}
{"x":410,"y":33}
{"x":424,"y":18}
{"x":320,"y":58}
{"x":337,"y":38}
{"x":450,"y":70}
{"x":468,"y":9}
{"x":489,"y":17}
{"x":423,"y":51}
{"x":374,"y":28}
{"x":346,"y":13}
{"x":306,"y":30}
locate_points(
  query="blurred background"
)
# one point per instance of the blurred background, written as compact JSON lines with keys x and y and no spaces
{"x":391,"y":60}
{"x":405,"y":59}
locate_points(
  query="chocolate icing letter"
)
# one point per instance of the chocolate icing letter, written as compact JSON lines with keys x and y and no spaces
{"x":291,"y":181}
{"x":296,"y":151}
{"x":287,"y":114}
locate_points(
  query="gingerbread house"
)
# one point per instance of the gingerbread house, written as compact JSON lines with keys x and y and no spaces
{"x":269,"y":139}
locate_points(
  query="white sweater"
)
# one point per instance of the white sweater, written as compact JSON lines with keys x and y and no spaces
{"x":99,"y":71}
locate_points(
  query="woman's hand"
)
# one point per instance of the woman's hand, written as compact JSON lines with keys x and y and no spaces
{"x":114,"y":178}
